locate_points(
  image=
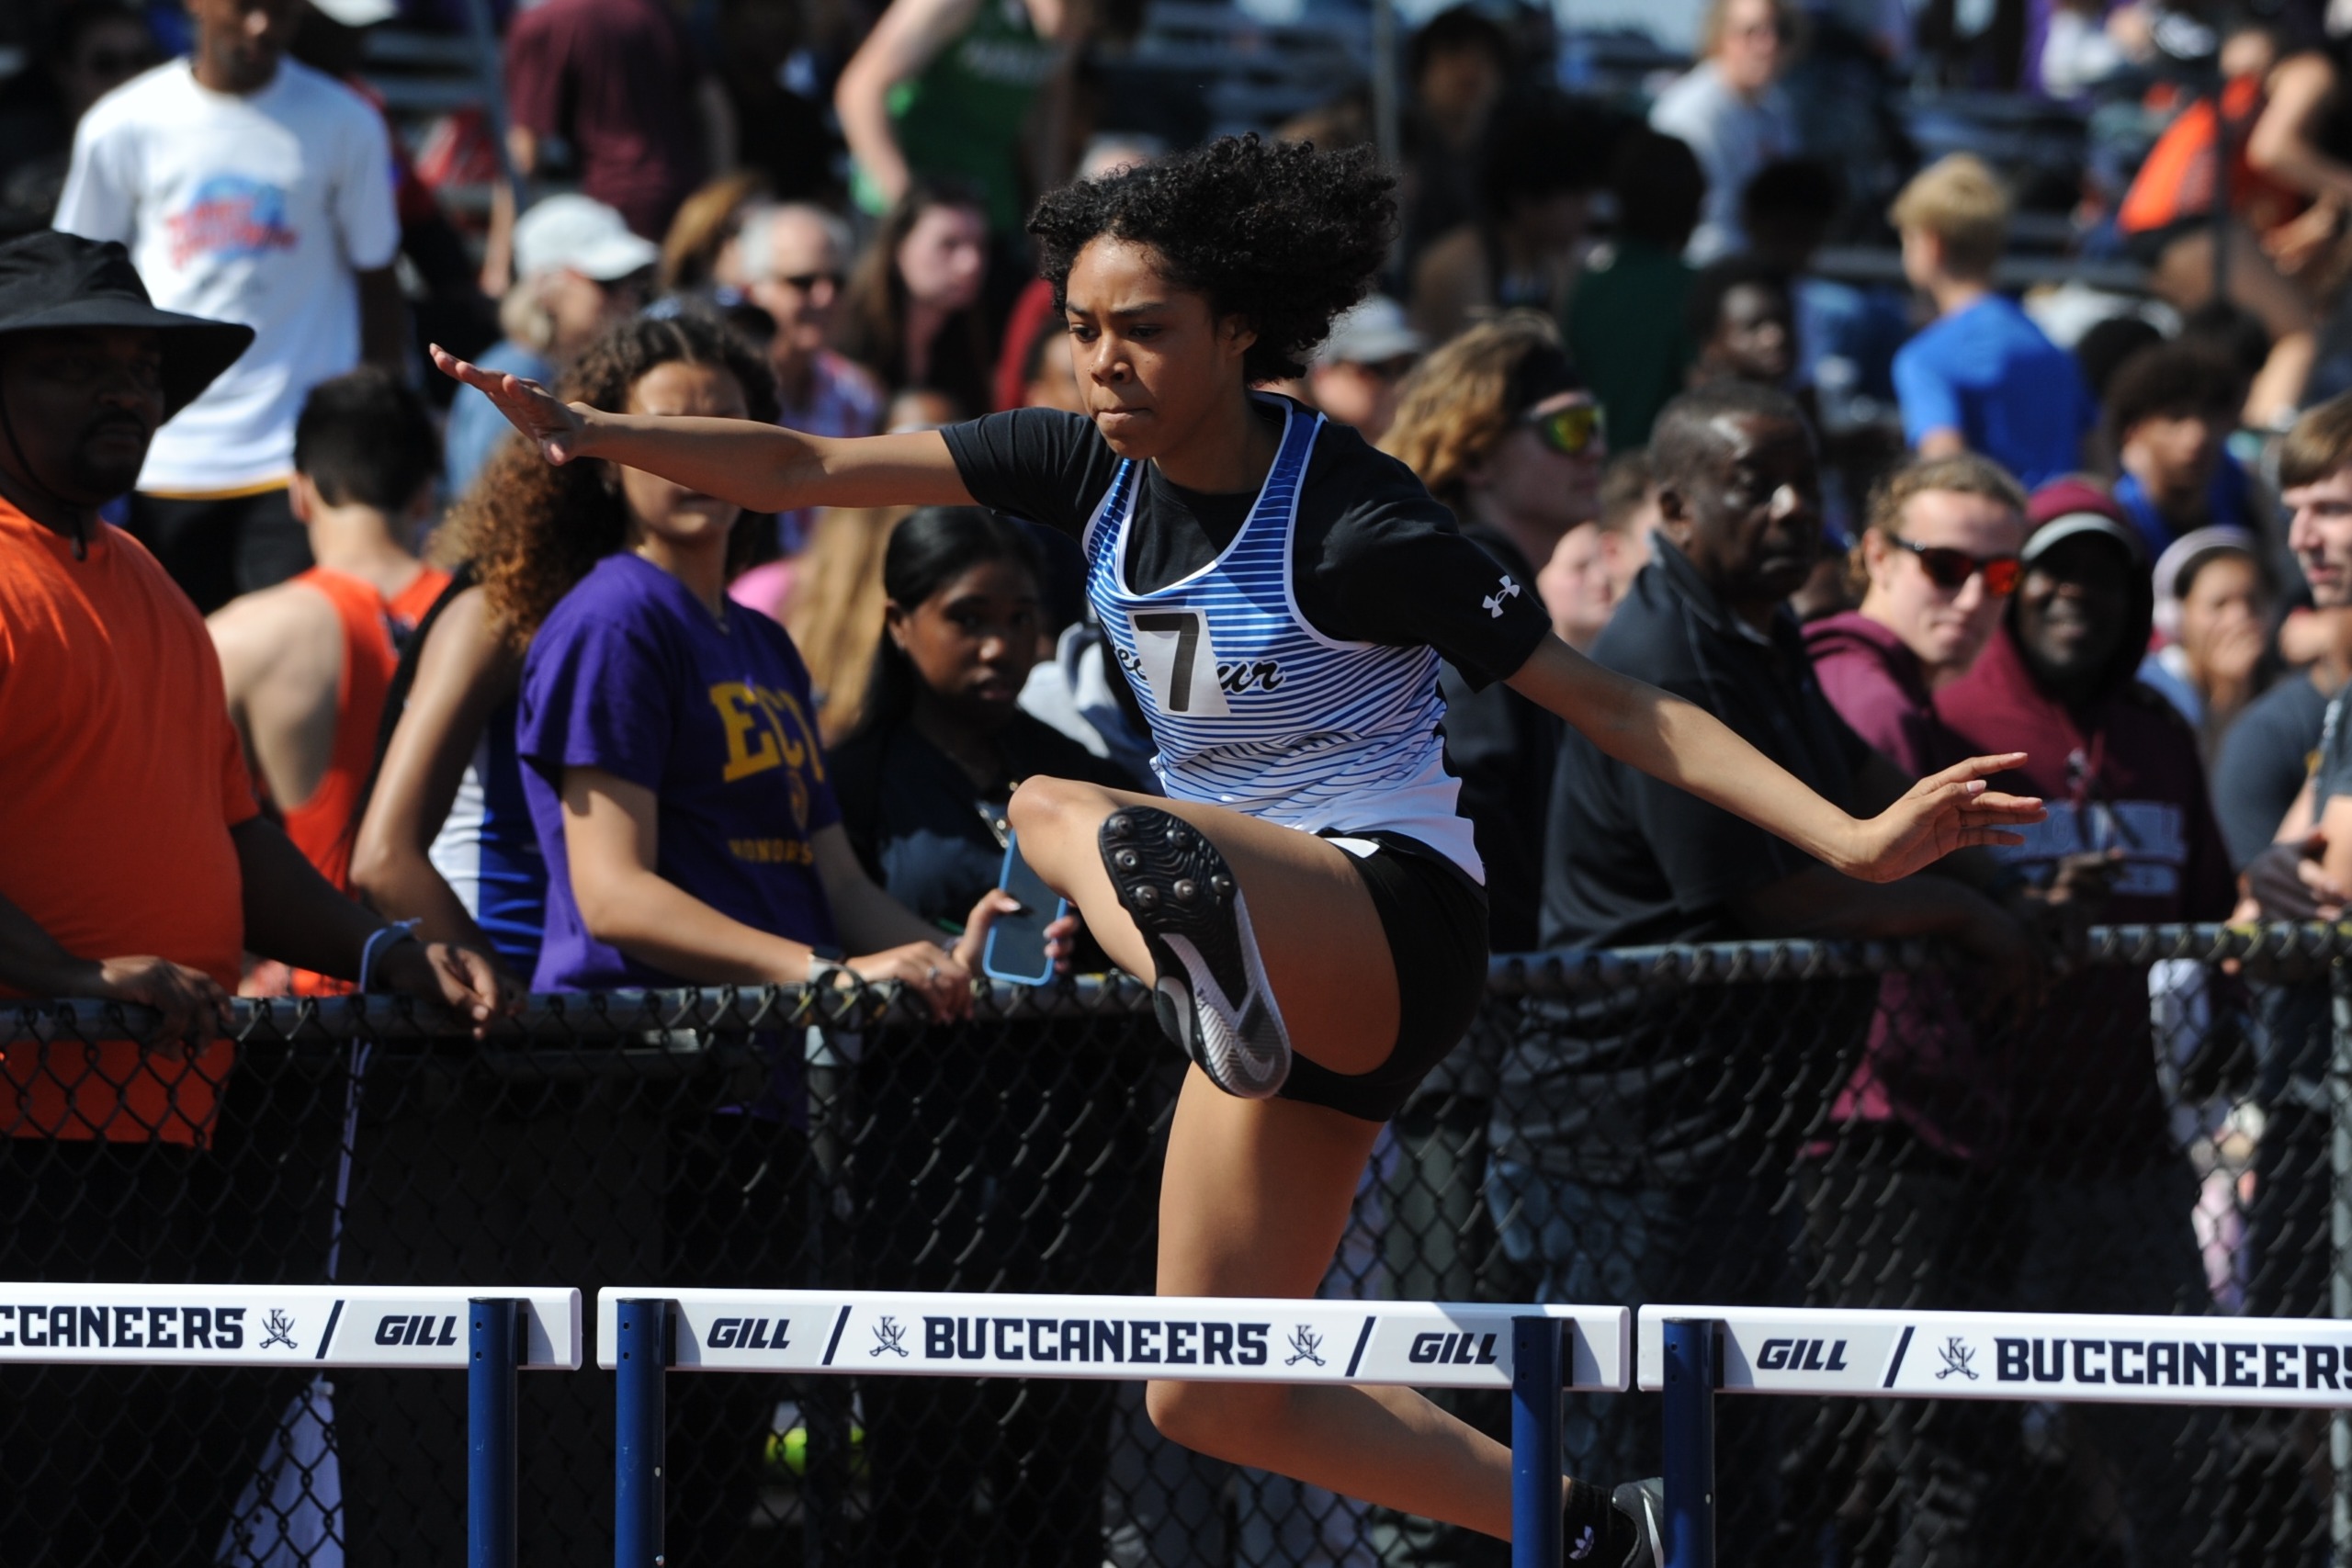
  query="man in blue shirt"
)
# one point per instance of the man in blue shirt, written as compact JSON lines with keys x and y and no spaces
{"x":1982,"y":378}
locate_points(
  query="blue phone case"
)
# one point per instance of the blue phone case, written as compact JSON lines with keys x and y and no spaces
{"x":1015,"y":953}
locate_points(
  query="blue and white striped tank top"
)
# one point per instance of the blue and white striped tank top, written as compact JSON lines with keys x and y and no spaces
{"x":1252,"y":708}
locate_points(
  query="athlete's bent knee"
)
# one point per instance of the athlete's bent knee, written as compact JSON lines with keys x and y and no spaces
{"x":1215,"y":1419}
{"x":1042,"y":808}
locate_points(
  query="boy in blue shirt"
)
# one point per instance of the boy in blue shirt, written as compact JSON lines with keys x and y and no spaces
{"x":1982,"y":378}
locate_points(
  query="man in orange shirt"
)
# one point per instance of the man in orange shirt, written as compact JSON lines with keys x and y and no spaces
{"x":134,"y":867}
{"x":307,"y":664}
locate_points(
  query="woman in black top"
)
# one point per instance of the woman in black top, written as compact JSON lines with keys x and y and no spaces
{"x":982,"y":1153}
{"x":1305,"y":901}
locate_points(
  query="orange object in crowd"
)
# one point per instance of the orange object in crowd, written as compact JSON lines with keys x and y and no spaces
{"x":120,"y":776}
{"x":322,"y":826}
{"x":2176,"y":182}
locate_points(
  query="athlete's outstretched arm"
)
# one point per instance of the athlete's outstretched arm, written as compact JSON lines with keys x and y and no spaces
{"x":1688,"y":747}
{"x":762,"y":468}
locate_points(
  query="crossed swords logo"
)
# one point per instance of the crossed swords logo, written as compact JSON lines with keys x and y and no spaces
{"x":889,"y":1339}
{"x":277,"y":1329}
{"x":1957,"y":1357}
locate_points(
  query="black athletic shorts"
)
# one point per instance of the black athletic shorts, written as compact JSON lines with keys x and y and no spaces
{"x":1435,"y":918}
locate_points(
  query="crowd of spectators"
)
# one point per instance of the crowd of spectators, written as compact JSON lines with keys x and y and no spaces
{"x":575,"y":727}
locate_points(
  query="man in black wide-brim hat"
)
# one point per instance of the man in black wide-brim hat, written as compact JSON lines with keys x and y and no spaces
{"x":134,"y":867}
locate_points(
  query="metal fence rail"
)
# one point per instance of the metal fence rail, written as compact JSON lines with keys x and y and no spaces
{"x":2166,"y":1128}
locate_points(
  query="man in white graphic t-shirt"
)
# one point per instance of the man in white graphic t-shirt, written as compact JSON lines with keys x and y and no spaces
{"x":249,"y":188}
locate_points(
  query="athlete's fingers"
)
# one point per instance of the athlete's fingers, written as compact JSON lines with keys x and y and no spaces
{"x":1975,"y":768}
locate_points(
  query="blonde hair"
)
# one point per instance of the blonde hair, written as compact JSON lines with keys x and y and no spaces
{"x":836,"y":609}
{"x":1963,"y":473}
{"x":1961,"y":202}
{"x":1454,"y":408}
{"x":1718,"y":17}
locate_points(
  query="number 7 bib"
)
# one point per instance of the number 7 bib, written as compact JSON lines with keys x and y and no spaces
{"x":1178,"y":662}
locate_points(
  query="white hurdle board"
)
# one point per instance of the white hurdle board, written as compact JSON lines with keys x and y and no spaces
{"x":1959,"y":1355}
{"x":1208,"y":1339}
{"x":273,"y":1326}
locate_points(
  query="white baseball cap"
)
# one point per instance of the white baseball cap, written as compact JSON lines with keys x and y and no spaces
{"x":1371,"y":332}
{"x":358,"y":13}
{"x":582,"y":235}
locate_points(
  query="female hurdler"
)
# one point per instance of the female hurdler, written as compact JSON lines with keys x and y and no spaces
{"x":1306,"y":902}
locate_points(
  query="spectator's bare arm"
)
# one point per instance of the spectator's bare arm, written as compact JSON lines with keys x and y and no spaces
{"x":2281,"y":143}
{"x":612,"y":838}
{"x":294,"y":915}
{"x":902,"y":44}
{"x":383,"y":320}
{"x":762,"y":468}
{"x":31,"y":961}
{"x":464,"y":673}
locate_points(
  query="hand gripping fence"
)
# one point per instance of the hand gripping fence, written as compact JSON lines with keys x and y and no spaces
{"x":272,"y":1327}
{"x":1536,"y":1352}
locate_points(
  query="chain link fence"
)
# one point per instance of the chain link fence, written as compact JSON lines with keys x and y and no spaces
{"x":2160,"y":1129}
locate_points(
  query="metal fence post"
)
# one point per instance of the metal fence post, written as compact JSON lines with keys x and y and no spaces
{"x":642,"y":1349}
{"x":495,"y":1339}
{"x":2339,"y":1226}
{"x":1690,"y":1416}
{"x":1538,"y":1373}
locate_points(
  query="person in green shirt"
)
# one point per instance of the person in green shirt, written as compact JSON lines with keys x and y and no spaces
{"x":945,"y":89}
{"x":1624,"y":323}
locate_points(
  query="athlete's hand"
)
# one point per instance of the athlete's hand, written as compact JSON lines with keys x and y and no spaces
{"x":190,"y":1002}
{"x":465,"y":982}
{"x":925,"y":968}
{"x":1943,"y":812}
{"x":556,"y":429}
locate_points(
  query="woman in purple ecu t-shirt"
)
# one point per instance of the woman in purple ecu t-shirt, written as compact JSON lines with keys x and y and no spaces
{"x":1305,"y":899}
{"x":673,"y":770}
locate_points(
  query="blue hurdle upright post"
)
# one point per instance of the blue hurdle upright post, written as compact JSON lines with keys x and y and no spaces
{"x":1538,"y":1380}
{"x":1538,"y":1352}
{"x":641,"y":1348}
{"x":1690,"y":1423}
{"x":493,"y":1341}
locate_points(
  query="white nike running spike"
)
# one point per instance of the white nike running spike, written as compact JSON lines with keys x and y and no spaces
{"x":1211,"y":992}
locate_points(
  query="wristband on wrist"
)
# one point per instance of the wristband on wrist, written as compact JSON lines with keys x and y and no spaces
{"x":825,"y":965}
{"x":379,"y":942}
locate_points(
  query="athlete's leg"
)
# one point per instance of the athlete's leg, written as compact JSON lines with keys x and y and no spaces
{"x":1252,"y":1202}
{"x":1320,"y":939}
{"x":1256,"y":1192}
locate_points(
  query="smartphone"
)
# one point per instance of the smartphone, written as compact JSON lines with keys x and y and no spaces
{"x":1016,"y":948}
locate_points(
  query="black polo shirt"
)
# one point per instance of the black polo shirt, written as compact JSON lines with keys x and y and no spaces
{"x":1678,"y":1084}
{"x":1631,"y":860}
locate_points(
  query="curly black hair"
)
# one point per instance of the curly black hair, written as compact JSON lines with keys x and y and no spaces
{"x":1274,"y":232}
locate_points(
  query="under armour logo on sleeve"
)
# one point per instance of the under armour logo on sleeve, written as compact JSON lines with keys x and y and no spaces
{"x":1493,"y":602}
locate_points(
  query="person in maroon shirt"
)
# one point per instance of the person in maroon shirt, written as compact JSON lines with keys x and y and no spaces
{"x":2087,"y":1209}
{"x":618,"y":81}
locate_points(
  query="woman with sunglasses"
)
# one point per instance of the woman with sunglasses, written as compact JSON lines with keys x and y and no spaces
{"x":1305,"y":899}
{"x":1934,"y":568}
{"x":1501,"y":428}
